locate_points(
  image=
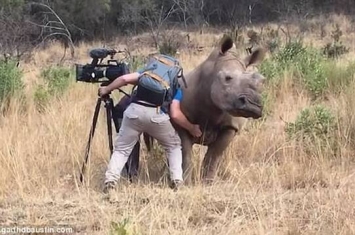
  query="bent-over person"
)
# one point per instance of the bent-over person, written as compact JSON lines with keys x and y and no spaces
{"x":141,"y":116}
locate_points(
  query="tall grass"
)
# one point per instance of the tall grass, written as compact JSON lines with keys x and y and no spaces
{"x":10,"y":81}
{"x":290,"y":173}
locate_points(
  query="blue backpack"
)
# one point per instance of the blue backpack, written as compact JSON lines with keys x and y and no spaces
{"x":159,"y":81}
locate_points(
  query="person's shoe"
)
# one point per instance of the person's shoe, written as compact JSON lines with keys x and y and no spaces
{"x":109,"y":186}
{"x":176,"y":184}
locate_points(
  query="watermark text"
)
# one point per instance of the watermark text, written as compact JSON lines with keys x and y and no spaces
{"x":32,"y":229}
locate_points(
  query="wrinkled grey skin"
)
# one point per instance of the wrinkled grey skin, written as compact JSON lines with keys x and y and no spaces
{"x":221,"y":94}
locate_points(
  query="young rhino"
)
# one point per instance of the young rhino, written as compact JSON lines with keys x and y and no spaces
{"x":221,"y":93}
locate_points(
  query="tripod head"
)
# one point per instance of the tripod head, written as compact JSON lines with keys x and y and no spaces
{"x":106,"y":83}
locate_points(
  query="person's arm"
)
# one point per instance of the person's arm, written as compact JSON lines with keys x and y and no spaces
{"x":123,"y":80}
{"x":179,"y":117}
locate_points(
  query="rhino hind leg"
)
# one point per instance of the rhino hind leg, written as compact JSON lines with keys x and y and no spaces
{"x":132,"y":165}
{"x":214,"y":154}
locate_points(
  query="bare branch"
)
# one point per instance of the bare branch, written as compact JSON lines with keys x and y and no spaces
{"x":156,"y":22}
{"x":54,"y":26}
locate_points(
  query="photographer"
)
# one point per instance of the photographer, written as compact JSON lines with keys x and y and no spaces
{"x":141,"y":116}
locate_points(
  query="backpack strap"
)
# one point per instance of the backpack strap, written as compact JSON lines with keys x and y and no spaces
{"x":158,"y":78}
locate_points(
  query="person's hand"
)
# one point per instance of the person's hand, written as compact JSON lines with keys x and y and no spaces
{"x":196,"y":131}
{"x":103,"y":91}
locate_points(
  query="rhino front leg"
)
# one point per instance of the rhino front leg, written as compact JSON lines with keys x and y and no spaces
{"x":214,"y":154}
{"x":186,"y":144}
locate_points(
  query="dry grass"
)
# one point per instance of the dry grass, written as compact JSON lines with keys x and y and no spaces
{"x":267,"y":184}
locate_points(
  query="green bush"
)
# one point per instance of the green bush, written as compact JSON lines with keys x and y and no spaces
{"x":311,"y":68}
{"x":305,"y":64}
{"x":56,"y":82}
{"x":269,"y":68}
{"x":291,"y":52}
{"x":57,"y":79}
{"x":10,"y":80}
{"x":169,"y":45}
{"x":122,"y":228}
{"x":316,"y":122}
{"x":168,"y":48}
{"x":41,"y":97}
{"x":315,"y":131}
{"x":286,"y":58}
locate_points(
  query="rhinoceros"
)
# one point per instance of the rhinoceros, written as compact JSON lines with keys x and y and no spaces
{"x":221,"y":94}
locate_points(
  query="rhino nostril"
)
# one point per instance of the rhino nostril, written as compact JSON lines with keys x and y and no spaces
{"x":242,"y":100}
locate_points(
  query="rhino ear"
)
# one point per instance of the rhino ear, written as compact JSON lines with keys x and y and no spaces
{"x":256,"y":57}
{"x":225,"y":44}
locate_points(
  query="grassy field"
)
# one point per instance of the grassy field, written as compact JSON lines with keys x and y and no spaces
{"x":269,"y":183}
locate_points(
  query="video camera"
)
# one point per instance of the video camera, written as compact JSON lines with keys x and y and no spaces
{"x":93,"y":72}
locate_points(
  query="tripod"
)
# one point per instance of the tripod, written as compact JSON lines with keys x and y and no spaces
{"x":110,"y":114}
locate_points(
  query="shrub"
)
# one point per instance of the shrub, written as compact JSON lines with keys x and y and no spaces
{"x":290,"y":53}
{"x":287,"y":57}
{"x":316,"y":122}
{"x":305,"y":64}
{"x":311,"y":68}
{"x":168,"y":48}
{"x":272,"y":39}
{"x":122,"y":228}
{"x":57,"y":79}
{"x":10,"y":80}
{"x":269,"y":68}
{"x":41,"y":97}
{"x":315,"y":132}
{"x":170,"y":44}
{"x":335,"y":48}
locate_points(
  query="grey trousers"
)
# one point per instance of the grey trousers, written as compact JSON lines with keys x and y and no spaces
{"x":137,"y":119}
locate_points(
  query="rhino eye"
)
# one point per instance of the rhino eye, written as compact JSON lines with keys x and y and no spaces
{"x":228,"y":78}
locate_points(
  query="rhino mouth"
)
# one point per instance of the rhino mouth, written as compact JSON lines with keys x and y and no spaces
{"x":246,"y":107}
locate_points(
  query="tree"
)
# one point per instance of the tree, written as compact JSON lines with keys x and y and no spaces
{"x":18,"y":36}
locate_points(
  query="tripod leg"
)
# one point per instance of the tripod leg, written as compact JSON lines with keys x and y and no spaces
{"x":91,"y":135}
{"x":109,"y":110}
